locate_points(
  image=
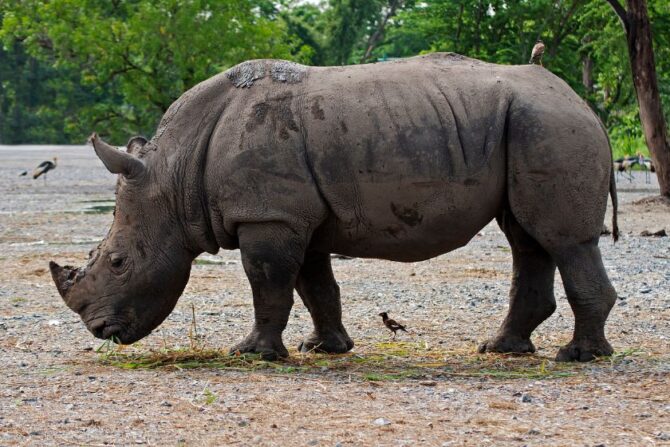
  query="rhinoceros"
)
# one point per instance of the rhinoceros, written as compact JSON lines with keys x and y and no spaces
{"x":403,"y":160}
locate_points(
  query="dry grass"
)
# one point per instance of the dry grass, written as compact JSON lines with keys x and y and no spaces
{"x":377,"y":361}
{"x":388,"y":361}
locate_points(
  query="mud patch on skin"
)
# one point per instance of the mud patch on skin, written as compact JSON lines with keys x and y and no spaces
{"x":279,"y":114}
{"x":245,"y":74}
{"x":258,"y":115}
{"x":395,"y":231}
{"x":288,"y":72}
{"x":317,"y":111}
{"x":409,"y":216}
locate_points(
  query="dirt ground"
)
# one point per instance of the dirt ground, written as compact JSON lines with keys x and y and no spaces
{"x":60,"y":386}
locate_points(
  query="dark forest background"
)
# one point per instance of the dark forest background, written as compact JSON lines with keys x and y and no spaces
{"x":68,"y":67}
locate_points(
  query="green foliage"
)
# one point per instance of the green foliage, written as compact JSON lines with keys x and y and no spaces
{"x":72,"y":66}
{"x":37,"y":101}
{"x":626,"y":134}
{"x":138,"y":56}
{"x":348,"y":22}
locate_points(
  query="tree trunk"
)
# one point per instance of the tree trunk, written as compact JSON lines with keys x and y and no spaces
{"x":480,"y":16}
{"x":457,"y":40}
{"x":635,"y":21}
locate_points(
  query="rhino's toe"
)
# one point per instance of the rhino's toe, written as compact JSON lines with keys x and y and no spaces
{"x":270,"y":347}
{"x":584,"y":350}
{"x":334,"y":343}
{"x":507,"y":344}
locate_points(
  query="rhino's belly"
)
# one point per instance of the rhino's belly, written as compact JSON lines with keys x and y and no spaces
{"x":410,"y":221}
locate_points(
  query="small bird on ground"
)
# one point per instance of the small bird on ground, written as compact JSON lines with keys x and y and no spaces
{"x":45,"y":167}
{"x":536,"y":54}
{"x":392,"y":324}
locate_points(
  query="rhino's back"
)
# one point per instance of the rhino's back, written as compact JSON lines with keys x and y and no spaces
{"x":441,"y":113}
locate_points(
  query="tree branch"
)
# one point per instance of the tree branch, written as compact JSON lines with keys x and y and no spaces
{"x":621,"y":12}
{"x":45,"y":43}
{"x":377,"y":36}
{"x":460,"y":26}
{"x":563,"y":29}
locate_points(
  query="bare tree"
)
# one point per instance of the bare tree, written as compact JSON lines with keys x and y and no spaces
{"x":635,"y":20}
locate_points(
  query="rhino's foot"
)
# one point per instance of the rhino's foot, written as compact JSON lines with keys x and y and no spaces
{"x":584,"y":350}
{"x":507,"y":344}
{"x":270,"y":347}
{"x":335,"y":342}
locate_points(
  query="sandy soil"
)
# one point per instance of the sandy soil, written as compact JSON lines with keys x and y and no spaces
{"x":430,"y":387}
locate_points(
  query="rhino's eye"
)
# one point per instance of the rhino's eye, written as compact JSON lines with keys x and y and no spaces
{"x":116,"y":261}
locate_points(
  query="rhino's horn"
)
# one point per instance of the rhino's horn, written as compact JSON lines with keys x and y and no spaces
{"x":116,"y":161}
{"x":62,"y":276}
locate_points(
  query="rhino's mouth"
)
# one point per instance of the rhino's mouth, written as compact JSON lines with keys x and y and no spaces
{"x":113,"y":329}
{"x":101,"y":328}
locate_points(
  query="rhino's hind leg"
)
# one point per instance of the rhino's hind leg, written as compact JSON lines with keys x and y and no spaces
{"x":321,"y":294}
{"x":271,"y":254}
{"x":591,"y":297}
{"x":532,"y":292}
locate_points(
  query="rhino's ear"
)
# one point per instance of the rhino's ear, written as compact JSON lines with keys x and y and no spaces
{"x":116,"y":161}
{"x":135,"y":144}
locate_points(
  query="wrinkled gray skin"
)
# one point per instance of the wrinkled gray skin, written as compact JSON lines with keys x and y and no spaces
{"x":403,"y":160}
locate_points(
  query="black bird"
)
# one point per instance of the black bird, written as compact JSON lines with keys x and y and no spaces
{"x":45,"y":167}
{"x":392,"y":324}
{"x":536,"y":54}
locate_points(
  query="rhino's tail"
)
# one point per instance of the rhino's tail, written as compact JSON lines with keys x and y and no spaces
{"x":615,"y":201}
{"x":615,"y":204}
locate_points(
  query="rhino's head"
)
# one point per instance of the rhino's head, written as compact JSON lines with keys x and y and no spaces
{"x":135,"y":276}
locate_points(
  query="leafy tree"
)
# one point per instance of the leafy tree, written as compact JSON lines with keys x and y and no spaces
{"x":348,"y":22}
{"x":305,"y":26}
{"x":24,"y":116}
{"x":70,"y":66}
{"x":138,"y":56}
{"x":636,"y":24}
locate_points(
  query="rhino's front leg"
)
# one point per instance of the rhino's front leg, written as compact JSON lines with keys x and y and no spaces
{"x":321,"y":294}
{"x":271,"y":255}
